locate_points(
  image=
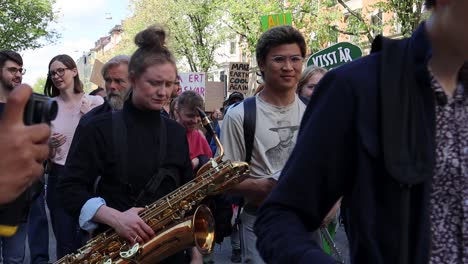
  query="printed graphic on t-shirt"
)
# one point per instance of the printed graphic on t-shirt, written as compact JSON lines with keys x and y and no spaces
{"x":278,"y":154}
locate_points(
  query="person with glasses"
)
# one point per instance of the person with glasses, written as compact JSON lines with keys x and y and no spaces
{"x":128,"y":149}
{"x":63,"y":84}
{"x":12,"y":72}
{"x":280,"y":52}
{"x":388,"y":133}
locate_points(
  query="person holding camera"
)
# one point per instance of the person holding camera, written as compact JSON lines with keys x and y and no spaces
{"x":24,"y":152}
{"x":63,"y":84}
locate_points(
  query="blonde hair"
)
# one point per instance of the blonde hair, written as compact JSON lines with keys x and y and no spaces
{"x":307,"y":74}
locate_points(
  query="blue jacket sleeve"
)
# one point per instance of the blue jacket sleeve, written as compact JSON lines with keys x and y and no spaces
{"x":313,"y":179}
{"x":212,"y":142}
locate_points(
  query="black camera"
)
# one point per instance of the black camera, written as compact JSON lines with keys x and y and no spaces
{"x":40,"y":109}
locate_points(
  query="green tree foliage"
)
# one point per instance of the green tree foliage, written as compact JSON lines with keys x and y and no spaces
{"x":197,"y":27}
{"x":24,"y":23}
{"x":408,"y":14}
{"x":243,"y":18}
{"x":194,"y":27}
{"x":312,"y":18}
{"x":315,"y":19}
{"x":38,"y":87}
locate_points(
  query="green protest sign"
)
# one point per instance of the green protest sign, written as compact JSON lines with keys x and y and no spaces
{"x":275,"y":20}
{"x":335,"y":55}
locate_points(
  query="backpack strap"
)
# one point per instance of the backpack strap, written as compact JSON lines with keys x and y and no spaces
{"x":250,"y":118}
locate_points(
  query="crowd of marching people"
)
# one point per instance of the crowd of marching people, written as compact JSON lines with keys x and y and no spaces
{"x":377,"y":147}
{"x":80,"y":143}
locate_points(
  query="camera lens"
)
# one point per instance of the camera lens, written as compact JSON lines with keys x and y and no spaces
{"x":40,"y":109}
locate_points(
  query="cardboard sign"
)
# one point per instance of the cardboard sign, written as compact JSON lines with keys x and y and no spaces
{"x":275,"y":20}
{"x":238,"y":77}
{"x":194,"y":81}
{"x":214,"y":96}
{"x":335,"y":55}
{"x":96,"y":76}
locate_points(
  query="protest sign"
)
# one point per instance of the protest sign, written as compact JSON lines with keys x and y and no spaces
{"x":214,"y":96}
{"x":96,"y":76}
{"x":335,"y":55}
{"x":194,"y":81}
{"x":238,"y":77}
{"x":270,"y":21}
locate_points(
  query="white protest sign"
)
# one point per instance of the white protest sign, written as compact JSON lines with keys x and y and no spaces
{"x":194,"y":81}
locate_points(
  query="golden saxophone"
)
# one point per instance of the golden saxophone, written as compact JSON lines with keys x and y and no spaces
{"x":170,"y":217}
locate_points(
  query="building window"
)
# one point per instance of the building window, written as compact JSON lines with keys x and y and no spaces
{"x":232,"y":48}
{"x":397,"y":24}
{"x":377,"y":23}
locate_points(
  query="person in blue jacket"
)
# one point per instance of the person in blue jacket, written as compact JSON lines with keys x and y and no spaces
{"x":389,"y":133}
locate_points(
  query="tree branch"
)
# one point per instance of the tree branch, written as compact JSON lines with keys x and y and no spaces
{"x":360,"y":18}
{"x":335,"y":28}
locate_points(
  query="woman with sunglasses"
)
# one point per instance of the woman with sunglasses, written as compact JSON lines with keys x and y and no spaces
{"x":63,"y":84}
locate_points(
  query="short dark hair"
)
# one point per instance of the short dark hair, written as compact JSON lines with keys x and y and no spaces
{"x":278,"y":36}
{"x":190,"y":100}
{"x":50,"y":89}
{"x":430,"y":3}
{"x":6,"y":55}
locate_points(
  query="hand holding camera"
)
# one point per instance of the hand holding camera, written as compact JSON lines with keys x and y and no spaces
{"x":24,"y":147}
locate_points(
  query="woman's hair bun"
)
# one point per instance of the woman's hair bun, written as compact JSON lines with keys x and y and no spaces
{"x":151,"y":38}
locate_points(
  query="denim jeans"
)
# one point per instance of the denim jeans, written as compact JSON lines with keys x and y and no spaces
{"x":66,"y":228}
{"x":38,"y":231}
{"x":12,"y":248}
{"x":249,"y":239}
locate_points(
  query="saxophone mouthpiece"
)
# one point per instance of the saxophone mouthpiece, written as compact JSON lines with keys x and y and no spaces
{"x":206,"y":122}
{"x":201,"y":113}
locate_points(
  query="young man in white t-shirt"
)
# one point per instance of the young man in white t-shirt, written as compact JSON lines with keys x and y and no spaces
{"x":280,"y":53}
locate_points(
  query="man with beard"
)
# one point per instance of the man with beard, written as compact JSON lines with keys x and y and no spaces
{"x":115,"y":73}
{"x":12,"y":72}
{"x":11,"y":75}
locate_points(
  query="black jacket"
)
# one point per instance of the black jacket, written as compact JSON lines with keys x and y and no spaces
{"x":95,"y":155}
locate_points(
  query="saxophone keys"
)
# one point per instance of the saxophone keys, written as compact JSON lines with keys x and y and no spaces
{"x":114,"y":246}
{"x":185,"y":205}
{"x":132,"y":253}
{"x":214,"y":164}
